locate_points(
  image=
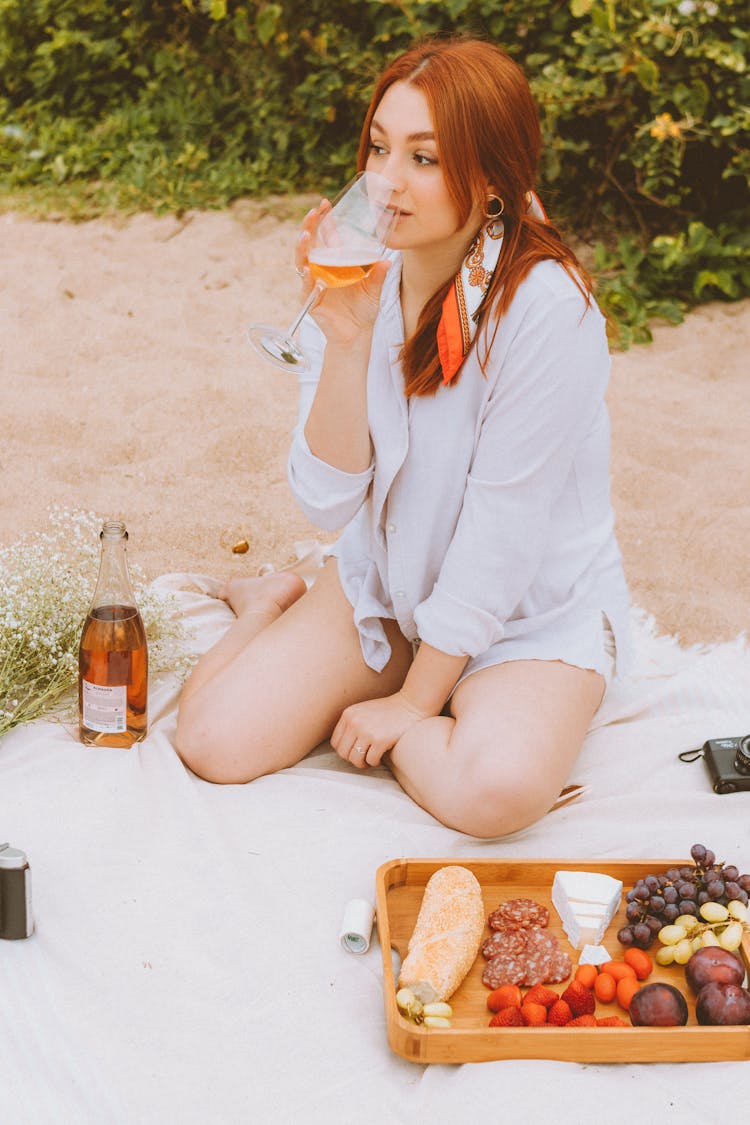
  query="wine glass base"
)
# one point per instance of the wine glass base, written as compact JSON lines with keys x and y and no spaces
{"x":277,"y":348}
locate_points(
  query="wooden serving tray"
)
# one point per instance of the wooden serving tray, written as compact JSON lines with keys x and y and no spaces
{"x":400,"y":886}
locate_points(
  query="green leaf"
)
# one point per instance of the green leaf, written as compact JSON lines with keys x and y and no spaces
{"x":647,"y":73}
{"x":668,"y":250}
{"x":266,"y":22}
{"x":716,"y":279}
{"x":698,"y":236}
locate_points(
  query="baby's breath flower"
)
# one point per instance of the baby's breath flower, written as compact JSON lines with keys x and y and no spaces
{"x":46,"y":585}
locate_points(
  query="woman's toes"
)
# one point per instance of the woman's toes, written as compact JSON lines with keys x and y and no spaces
{"x":272,"y":593}
{"x":289,"y":588}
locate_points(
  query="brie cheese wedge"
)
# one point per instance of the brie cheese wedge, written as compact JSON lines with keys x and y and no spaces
{"x":586,"y":902}
{"x":594,"y":955}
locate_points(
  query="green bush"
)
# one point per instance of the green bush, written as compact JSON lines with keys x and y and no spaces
{"x":169,"y":104}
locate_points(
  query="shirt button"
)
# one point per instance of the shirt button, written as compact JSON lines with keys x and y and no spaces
{"x":400,"y":593}
{"x":391,"y":527}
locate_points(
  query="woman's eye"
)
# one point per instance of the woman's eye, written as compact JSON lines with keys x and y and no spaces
{"x":376,"y":149}
{"x":424,"y":160}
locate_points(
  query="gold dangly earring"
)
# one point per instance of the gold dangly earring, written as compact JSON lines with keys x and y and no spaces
{"x":495,"y":207}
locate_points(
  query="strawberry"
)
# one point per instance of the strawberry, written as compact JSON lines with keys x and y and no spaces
{"x":586,"y":1020}
{"x":506,"y":996}
{"x":559,"y":1014}
{"x":534,"y":1015}
{"x":580,"y":998}
{"x":507,"y":1017}
{"x":612,"y":1021}
{"x":540,"y":994}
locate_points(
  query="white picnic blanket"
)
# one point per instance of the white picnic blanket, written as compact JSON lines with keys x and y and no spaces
{"x":185,"y":968}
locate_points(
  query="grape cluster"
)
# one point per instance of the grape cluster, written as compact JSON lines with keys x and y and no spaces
{"x":718,"y":925}
{"x":658,"y":900}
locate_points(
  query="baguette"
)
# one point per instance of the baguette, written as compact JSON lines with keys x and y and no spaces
{"x":446,"y":937}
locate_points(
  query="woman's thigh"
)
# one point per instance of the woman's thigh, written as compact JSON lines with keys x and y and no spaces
{"x":285,"y":691}
{"x":498,"y":762}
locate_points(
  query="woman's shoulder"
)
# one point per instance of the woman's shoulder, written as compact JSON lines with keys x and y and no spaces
{"x":549,"y":328}
{"x":552,"y":298}
{"x":549,"y":281}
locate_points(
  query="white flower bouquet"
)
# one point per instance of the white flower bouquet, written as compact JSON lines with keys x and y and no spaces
{"x":46,"y":585}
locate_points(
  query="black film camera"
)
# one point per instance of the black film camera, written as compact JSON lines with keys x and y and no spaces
{"x":728,"y":763}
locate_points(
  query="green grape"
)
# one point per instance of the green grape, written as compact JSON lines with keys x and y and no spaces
{"x":714,"y":912}
{"x":408,"y":1004}
{"x":670,"y":935}
{"x":688,"y":922}
{"x":710,"y":938}
{"x":737,"y":910}
{"x":665,"y":955}
{"x":683,"y":951}
{"x":731,"y":936}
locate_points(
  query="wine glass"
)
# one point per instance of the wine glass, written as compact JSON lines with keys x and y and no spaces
{"x":348,"y":241}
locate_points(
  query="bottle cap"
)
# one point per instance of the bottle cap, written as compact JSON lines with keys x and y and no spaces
{"x":11,"y":857}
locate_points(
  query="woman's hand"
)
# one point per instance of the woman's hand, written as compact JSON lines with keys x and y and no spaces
{"x":342,"y":312}
{"x":366,"y":731}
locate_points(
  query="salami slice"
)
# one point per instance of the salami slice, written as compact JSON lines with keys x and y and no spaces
{"x":504,"y":941}
{"x":520,"y":950}
{"x":522,"y":912}
{"x":504,"y":968}
{"x":524,"y":957}
{"x":561,"y":968}
{"x":544,"y":959}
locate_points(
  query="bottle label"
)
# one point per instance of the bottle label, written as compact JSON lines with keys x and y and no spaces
{"x":105,"y":708}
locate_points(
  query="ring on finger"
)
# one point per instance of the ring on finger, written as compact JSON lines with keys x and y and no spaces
{"x":360,"y":750}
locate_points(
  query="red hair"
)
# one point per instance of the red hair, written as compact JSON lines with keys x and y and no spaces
{"x":486,"y":132}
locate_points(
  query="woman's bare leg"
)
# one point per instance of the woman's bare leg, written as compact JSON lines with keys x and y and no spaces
{"x":276,"y":684}
{"x":496,"y":764}
{"x":256,"y":603}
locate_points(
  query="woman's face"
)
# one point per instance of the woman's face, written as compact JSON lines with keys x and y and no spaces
{"x":403,"y":149}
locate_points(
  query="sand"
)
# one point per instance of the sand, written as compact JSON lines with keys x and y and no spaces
{"x":128,"y":389}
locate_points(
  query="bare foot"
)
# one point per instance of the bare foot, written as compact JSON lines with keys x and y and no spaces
{"x":271,"y":593}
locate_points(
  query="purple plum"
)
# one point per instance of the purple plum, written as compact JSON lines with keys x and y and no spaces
{"x":658,"y":1005}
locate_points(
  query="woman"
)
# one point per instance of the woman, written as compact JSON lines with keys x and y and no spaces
{"x":466,"y":622}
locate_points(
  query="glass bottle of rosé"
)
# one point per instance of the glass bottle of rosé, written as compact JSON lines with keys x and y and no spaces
{"x":113,"y":654}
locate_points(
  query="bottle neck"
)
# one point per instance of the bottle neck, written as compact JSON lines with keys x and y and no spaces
{"x":113,"y":586}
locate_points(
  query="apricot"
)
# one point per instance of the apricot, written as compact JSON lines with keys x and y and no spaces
{"x":640,"y":961}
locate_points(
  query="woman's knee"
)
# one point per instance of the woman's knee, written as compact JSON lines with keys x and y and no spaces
{"x":501,"y":792}
{"x":499,"y":803}
{"x":215,"y":753}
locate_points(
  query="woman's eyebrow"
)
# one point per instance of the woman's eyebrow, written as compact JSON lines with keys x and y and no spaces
{"x":425,"y":136}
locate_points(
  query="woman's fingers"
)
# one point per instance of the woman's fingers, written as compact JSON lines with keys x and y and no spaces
{"x":358,"y":756}
{"x":309,"y":226}
{"x":351,"y":745}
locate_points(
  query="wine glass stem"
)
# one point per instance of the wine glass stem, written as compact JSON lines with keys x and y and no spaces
{"x":315,"y":293}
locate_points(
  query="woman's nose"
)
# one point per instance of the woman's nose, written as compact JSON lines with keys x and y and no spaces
{"x":394,"y":172}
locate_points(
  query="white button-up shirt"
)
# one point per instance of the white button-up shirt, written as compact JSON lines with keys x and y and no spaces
{"x":483,"y":524}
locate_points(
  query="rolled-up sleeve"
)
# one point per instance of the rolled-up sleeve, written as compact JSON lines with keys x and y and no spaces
{"x":548,"y":392}
{"x":327,"y":496}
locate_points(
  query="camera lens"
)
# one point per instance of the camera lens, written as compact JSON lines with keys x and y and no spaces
{"x":742,"y":757}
